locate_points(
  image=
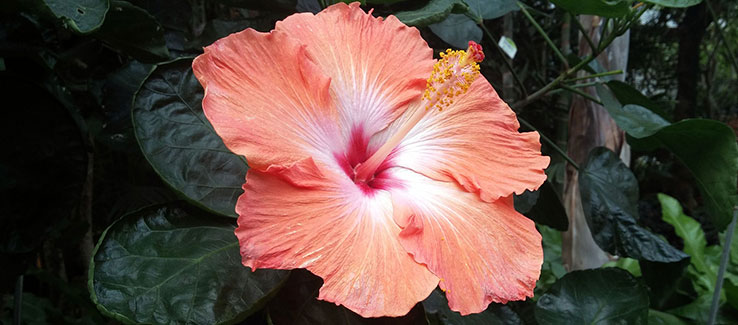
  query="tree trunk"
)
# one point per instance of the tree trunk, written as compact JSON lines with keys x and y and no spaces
{"x":590,"y":126}
{"x":691,"y":31}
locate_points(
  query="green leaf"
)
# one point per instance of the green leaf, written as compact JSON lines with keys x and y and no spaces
{"x":598,"y":296}
{"x":704,"y":260}
{"x":637,"y":121}
{"x":457,"y":30}
{"x":180,"y":143}
{"x":82,"y":16}
{"x":674,"y":3}
{"x":543,"y":206}
{"x":667,"y":283}
{"x":433,"y":12}
{"x":731,"y":292}
{"x":662,"y":318}
{"x":134,"y":31}
{"x":491,"y":9}
{"x":627,"y":264}
{"x":626,"y":94}
{"x":609,"y":193}
{"x":604,"y":8}
{"x":168,"y":265}
{"x":708,"y":149}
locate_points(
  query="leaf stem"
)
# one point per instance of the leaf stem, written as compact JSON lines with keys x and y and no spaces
{"x":18,"y":301}
{"x":549,"y":142}
{"x":585,"y":34}
{"x":722,"y":36}
{"x":480,"y":22}
{"x":545,"y":36}
{"x":721,"y":271}
{"x":596,"y":75}
{"x":581,"y":93}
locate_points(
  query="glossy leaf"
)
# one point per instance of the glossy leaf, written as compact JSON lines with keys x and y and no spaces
{"x":491,"y":9}
{"x":597,"y":296}
{"x":168,"y":265}
{"x":708,"y":149}
{"x":297,"y":304}
{"x":457,"y":30}
{"x":82,"y":16}
{"x":637,"y":121}
{"x":674,"y":3}
{"x":433,"y":12}
{"x":134,"y":31}
{"x":604,"y":8}
{"x":180,"y":143}
{"x":609,"y":193}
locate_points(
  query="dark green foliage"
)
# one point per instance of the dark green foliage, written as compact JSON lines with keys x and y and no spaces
{"x":609,"y":199}
{"x":608,"y":295}
{"x":173,"y":132}
{"x":169,"y":265}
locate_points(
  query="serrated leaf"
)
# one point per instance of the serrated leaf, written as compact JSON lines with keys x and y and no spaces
{"x":168,"y":265}
{"x":134,"y":31}
{"x":457,"y":30}
{"x":609,"y":192}
{"x":674,"y":3}
{"x":433,"y":12}
{"x":708,"y":149}
{"x":180,"y":143}
{"x":604,"y":8}
{"x":598,"y":296}
{"x":82,"y":16}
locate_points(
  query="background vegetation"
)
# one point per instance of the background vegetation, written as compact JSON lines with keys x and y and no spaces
{"x":97,"y":188}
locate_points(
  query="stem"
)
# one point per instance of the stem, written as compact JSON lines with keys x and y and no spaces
{"x":480,"y":22}
{"x":581,"y":93}
{"x":721,"y":271}
{"x":722,"y":36}
{"x":585,"y":34}
{"x":596,"y":75}
{"x":543,"y":91}
{"x":549,"y":142}
{"x":543,"y":33}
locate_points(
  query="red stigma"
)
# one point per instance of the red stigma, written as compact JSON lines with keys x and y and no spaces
{"x":475,"y":51}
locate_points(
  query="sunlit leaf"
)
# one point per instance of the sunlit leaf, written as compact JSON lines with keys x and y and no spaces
{"x":168,"y":265}
{"x":598,"y":296}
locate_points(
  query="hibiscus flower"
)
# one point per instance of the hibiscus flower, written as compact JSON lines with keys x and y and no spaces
{"x":374,"y":166}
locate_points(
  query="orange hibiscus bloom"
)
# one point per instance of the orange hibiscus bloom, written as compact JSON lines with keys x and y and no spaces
{"x":380,"y":180}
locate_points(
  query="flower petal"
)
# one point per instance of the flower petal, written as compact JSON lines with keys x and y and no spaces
{"x":377,"y":66}
{"x":474,"y":142}
{"x":336,"y":231}
{"x":266,"y":98}
{"x":483,"y":252}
